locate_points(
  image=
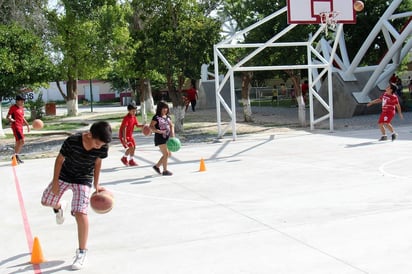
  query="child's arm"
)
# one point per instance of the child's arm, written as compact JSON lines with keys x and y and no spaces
{"x":172,"y":128}
{"x":27,"y":124}
{"x":398,"y":107}
{"x":376,"y":101}
{"x":56,"y":173}
{"x":96,"y":175}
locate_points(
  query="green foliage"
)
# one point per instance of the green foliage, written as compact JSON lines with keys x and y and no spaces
{"x":86,"y":39}
{"x":366,"y":20}
{"x":23,"y":62}
{"x":177,"y":38}
{"x":36,"y":106}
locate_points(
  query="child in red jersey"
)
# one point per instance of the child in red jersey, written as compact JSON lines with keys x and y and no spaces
{"x":390,"y":103}
{"x":16,"y":118}
{"x":126,"y":135}
{"x":192,"y":97}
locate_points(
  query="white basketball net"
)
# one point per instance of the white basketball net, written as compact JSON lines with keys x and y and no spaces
{"x":329,"y":20}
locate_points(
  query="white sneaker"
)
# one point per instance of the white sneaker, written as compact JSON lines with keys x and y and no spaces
{"x":60,"y":213}
{"x":79,"y":260}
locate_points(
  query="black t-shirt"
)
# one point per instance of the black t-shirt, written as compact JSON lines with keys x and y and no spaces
{"x":78,"y":165}
{"x":163,"y":123}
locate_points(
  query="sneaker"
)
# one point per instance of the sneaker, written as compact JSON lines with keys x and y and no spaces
{"x":60,"y":213}
{"x":124,"y":161}
{"x":383,"y":138}
{"x":157,"y":169}
{"x":20,"y":161}
{"x":79,"y":259}
{"x":167,"y":173}
{"x":394,"y":136}
{"x":132,"y":163}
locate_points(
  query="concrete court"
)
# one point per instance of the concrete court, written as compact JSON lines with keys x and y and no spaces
{"x":280,"y":202}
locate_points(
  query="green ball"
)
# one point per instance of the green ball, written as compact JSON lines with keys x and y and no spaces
{"x":173,"y":144}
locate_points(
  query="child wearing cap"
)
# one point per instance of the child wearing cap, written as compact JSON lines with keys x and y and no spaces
{"x":126,"y":135}
{"x":16,"y":117}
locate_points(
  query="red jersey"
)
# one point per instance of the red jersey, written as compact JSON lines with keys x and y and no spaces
{"x":128,"y":122}
{"x":17,"y":113}
{"x":389,"y":102}
{"x":191,"y":94}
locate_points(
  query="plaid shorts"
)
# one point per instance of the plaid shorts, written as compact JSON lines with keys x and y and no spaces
{"x":80,"y":200}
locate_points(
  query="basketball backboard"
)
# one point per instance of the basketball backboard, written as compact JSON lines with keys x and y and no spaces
{"x":308,"y":11}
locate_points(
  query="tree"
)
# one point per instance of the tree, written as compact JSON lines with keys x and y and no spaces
{"x":181,"y":39}
{"x":23,"y":62}
{"x":84,"y":37}
{"x":247,"y":13}
{"x":365,"y":21}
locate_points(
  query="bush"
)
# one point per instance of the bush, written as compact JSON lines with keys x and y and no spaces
{"x":36,"y":107}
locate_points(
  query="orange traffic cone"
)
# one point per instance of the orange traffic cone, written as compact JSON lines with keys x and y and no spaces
{"x":36,"y":254}
{"x":14,"y":160}
{"x":202,"y":165}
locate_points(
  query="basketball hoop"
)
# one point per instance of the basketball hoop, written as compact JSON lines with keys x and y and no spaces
{"x":329,"y":20}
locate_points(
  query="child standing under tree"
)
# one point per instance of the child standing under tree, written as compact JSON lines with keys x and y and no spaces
{"x":390,"y":103}
{"x":126,"y":135}
{"x":76,"y":167}
{"x":16,"y":118}
{"x":163,"y":128}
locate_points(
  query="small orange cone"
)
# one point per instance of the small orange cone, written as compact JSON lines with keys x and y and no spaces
{"x":14,"y":160}
{"x":202,"y":165}
{"x":36,"y":254}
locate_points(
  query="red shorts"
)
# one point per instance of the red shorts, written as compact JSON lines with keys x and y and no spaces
{"x":80,"y":200}
{"x":18,"y":133}
{"x":130,"y":142}
{"x":386,"y":117}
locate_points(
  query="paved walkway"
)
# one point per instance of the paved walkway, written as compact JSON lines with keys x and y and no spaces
{"x":294,"y":202}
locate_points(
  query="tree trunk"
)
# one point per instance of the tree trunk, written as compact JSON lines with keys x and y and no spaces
{"x":179,"y":113}
{"x":247,"y":110}
{"x":176,"y":96}
{"x":1,"y":124}
{"x":299,"y":98}
{"x":146,"y":99}
{"x":71,"y":102}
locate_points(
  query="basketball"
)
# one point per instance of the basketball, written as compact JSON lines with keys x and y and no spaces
{"x":358,"y":6}
{"x":173,"y":144}
{"x":146,"y":130}
{"x":37,"y":124}
{"x":102,"y":202}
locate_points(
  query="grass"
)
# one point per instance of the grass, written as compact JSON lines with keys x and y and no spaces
{"x":64,"y":126}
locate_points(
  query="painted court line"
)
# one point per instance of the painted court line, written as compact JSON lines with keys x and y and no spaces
{"x":26,"y":224}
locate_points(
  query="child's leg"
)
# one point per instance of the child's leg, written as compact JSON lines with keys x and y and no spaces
{"x":82,"y":221}
{"x":382,"y":129}
{"x":80,"y":205}
{"x":165,"y":156}
{"x":50,"y":199}
{"x":390,"y":127}
{"x":132,"y":151}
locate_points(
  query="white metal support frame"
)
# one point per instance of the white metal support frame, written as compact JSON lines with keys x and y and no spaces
{"x":315,"y":62}
{"x":398,"y":50}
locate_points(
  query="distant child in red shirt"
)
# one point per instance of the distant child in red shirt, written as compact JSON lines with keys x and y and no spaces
{"x":16,"y":118}
{"x":192,"y":97}
{"x":126,"y":135}
{"x":390,"y":103}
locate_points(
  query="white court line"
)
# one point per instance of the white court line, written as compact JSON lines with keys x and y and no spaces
{"x":382,"y":169}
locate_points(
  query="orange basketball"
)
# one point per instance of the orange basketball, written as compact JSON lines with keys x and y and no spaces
{"x":358,"y":6}
{"x":37,"y":124}
{"x":146,"y":130}
{"x":102,"y":202}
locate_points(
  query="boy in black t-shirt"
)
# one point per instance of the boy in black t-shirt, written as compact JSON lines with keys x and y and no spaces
{"x":77,"y":166}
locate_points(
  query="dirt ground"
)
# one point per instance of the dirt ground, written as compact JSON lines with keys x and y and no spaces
{"x":199,"y":126}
